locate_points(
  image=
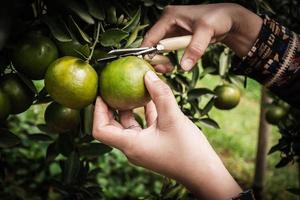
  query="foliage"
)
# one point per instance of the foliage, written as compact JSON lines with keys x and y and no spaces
{"x":39,"y":164}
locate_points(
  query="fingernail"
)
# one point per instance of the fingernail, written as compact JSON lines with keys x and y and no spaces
{"x":187,"y":64}
{"x":151,"y":76}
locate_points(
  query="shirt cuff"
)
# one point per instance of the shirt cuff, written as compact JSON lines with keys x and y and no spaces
{"x":270,"y":59}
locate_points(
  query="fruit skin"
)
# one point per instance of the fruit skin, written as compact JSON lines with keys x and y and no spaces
{"x":71,"y":82}
{"x":275,"y":113}
{"x":5,"y":107}
{"x":20,"y":95}
{"x":122,"y":83}
{"x":228,"y":96}
{"x":33,"y":54}
{"x":61,"y":119}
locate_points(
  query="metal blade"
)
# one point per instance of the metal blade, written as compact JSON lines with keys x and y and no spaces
{"x":127,"y":51}
{"x":147,"y":50}
{"x":107,"y":58}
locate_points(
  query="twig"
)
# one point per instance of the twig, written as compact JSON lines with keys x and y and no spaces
{"x":95,"y":42}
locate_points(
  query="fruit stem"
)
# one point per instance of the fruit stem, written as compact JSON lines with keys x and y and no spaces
{"x":95,"y":42}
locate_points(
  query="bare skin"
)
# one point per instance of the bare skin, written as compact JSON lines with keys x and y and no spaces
{"x":171,"y":144}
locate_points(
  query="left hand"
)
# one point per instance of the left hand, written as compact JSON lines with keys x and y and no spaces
{"x":171,"y":144}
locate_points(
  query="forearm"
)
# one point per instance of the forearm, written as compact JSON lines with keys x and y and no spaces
{"x":207,"y":177}
{"x":245,"y":30}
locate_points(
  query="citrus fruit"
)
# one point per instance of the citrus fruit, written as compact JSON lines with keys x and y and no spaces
{"x":60,"y":118}
{"x":20,"y":95}
{"x":275,"y":113}
{"x":228,"y":96}
{"x":33,"y":54}
{"x":5,"y":107}
{"x":122,"y":83}
{"x":71,"y":82}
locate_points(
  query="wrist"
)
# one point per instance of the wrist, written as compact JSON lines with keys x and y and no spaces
{"x":207,"y":177}
{"x":245,"y":29}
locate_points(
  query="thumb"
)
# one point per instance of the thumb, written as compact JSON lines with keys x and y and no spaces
{"x":163,"y":98}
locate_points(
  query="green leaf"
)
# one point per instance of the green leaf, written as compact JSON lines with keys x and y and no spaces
{"x":79,"y":9}
{"x":209,"y":123}
{"x":133,"y":23}
{"x":224,"y":62}
{"x":81,"y":33}
{"x":134,"y":34}
{"x":136,"y":43}
{"x":206,"y":71}
{"x":208,"y":106}
{"x":94,"y":150}
{"x":71,"y":167}
{"x":27,"y":82}
{"x":58,"y":28}
{"x":96,"y":9}
{"x":278,"y":147}
{"x":39,"y":137}
{"x":195,"y":75}
{"x":197,"y":92}
{"x":139,"y":119}
{"x":112,"y":37}
{"x":8,"y":139}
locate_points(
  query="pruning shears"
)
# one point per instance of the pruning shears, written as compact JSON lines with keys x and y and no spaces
{"x":152,"y":54}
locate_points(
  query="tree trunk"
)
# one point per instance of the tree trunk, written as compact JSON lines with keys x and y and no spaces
{"x":262,"y":149}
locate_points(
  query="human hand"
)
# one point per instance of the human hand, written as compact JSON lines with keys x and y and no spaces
{"x":224,"y":22}
{"x":171,"y":144}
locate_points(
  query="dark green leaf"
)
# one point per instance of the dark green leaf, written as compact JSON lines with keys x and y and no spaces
{"x":195,"y":76}
{"x":71,"y":168}
{"x":133,"y":23}
{"x":96,"y":9}
{"x":8,"y":139}
{"x":28,"y":83}
{"x":111,"y":15}
{"x":79,"y":9}
{"x":209,"y":123}
{"x":80,"y":32}
{"x":139,"y":119}
{"x":284,"y":161}
{"x":51,"y":152}
{"x":39,"y":137}
{"x":44,"y":128}
{"x":197,"y":92}
{"x":65,"y":144}
{"x":278,"y":147}
{"x":58,"y":28}
{"x":112,"y":37}
{"x":208,"y":106}
{"x":294,"y":190}
{"x":94,"y":150}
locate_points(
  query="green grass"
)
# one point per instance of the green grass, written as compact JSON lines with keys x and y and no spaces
{"x":237,"y":139}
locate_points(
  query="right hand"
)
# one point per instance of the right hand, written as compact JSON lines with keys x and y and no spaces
{"x":223,"y":22}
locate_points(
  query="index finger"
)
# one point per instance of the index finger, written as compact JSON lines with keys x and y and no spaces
{"x":158,"y":31}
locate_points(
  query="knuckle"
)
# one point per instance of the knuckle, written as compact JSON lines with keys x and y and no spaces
{"x":163,"y":90}
{"x":196,"y":50}
{"x":169,"y":9}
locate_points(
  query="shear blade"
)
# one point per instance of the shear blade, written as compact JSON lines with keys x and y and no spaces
{"x":126,"y":51}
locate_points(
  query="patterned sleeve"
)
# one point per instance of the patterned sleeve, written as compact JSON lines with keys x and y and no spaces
{"x":274,"y":61}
